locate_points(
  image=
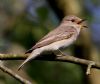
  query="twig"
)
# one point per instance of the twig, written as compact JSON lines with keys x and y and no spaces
{"x":88,"y":72}
{"x":88,"y":63}
{"x":70,"y":59}
{"x":16,"y":76}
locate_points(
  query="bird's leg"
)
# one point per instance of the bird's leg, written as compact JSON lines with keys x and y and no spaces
{"x":59,"y":53}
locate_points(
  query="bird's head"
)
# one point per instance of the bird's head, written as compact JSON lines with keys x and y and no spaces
{"x":76,"y":20}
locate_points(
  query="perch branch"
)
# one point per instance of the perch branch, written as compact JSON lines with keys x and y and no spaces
{"x":70,"y":59}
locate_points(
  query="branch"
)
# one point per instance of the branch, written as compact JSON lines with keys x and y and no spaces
{"x":70,"y":59}
{"x":14,"y":75}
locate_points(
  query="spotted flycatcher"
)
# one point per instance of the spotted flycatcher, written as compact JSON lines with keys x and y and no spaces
{"x":62,"y":36}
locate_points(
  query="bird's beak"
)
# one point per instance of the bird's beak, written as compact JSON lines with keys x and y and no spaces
{"x":82,"y":23}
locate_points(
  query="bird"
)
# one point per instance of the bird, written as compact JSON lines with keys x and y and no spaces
{"x":61,"y":37}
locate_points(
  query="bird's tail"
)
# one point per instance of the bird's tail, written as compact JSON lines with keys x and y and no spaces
{"x":32,"y":56}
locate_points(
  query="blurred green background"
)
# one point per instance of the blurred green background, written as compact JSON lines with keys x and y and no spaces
{"x":24,"y":22}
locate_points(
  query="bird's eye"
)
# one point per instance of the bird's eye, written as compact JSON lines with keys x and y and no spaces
{"x":73,"y":20}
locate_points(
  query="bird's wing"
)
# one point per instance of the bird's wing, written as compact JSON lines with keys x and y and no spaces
{"x":53,"y":37}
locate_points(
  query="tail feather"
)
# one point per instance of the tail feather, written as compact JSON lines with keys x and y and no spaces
{"x":32,"y":56}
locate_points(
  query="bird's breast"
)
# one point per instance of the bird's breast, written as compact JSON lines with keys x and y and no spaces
{"x":60,"y":44}
{"x":65,"y":43}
